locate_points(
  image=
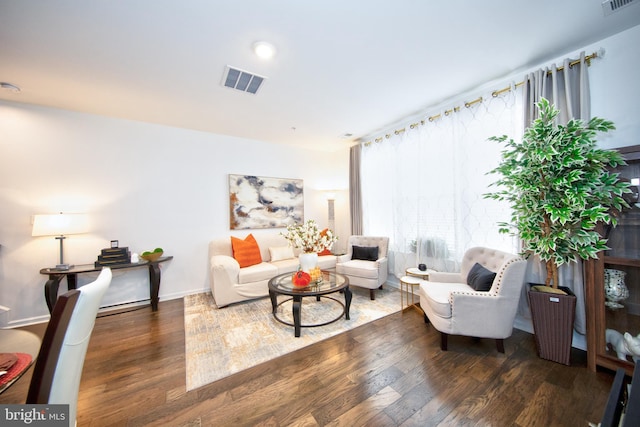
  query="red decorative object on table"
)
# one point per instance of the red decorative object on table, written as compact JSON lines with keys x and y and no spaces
{"x":301,"y":279}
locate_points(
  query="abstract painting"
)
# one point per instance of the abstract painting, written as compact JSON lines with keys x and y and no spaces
{"x":260,"y":202}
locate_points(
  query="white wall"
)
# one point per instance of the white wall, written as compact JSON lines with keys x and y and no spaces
{"x":615,"y":88}
{"x":142,"y":184}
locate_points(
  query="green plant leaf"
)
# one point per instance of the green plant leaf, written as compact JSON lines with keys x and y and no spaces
{"x":559,"y":186}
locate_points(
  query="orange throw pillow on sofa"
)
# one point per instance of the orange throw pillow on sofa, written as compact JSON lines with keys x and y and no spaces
{"x":247,"y":251}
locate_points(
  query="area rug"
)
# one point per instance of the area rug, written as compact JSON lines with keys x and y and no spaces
{"x":221,"y":342}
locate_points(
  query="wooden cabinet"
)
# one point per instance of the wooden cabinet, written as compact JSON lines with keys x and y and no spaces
{"x":622,"y":260}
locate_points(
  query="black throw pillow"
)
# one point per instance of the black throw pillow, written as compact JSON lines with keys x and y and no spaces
{"x":479,"y":278}
{"x":365,"y":253}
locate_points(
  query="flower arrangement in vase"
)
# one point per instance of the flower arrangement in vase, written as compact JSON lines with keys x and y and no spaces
{"x":308,"y":237}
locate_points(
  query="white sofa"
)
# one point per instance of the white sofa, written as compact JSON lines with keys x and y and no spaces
{"x":230,"y":283}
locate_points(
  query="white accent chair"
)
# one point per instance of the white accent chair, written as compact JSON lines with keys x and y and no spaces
{"x":453,"y":307}
{"x":58,"y":368}
{"x":370,"y":274}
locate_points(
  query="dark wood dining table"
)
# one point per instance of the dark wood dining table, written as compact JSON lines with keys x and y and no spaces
{"x":22,"y":343}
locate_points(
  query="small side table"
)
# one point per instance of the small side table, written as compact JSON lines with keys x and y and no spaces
{"x":416,"y":272}
{"x":407,"y":282}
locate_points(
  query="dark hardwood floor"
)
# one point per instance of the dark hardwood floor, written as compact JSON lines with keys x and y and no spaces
{"x":387,"y":373}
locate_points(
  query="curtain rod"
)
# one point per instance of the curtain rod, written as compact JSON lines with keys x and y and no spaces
{"x":587,"y":59}
{"x":478,"y":100}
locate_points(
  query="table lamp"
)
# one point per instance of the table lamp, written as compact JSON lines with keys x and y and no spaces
{"x":60,"y":225}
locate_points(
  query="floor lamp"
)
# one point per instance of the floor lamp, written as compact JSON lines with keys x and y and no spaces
{"x":60,"y":225}
{"x":331,"y":214}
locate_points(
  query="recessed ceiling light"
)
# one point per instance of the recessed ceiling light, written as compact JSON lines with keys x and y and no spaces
{"x":264,"y":50}
{"x":8,"y":87}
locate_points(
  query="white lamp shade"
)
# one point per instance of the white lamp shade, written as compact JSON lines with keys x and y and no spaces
{"x":60,"y":224}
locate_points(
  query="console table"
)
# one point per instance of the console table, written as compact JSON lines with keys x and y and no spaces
{"x":56,"y":276}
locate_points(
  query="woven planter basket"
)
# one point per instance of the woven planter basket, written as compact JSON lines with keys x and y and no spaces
{"x":553,"y":316}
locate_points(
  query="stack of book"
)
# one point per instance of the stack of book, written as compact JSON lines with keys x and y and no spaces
{"x":113,"y":256}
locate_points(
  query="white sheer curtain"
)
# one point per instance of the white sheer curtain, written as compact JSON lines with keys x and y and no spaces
{"x":424,"y":187}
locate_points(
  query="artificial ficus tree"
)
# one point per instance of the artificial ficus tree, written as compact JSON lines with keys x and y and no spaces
{"x":559,"y":187}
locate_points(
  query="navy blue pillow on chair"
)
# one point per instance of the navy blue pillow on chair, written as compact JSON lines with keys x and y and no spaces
{"x":365,"y":253}
{"x":479,"y":278}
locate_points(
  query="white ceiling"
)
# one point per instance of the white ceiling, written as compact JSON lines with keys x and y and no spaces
{"x":342,"y":66}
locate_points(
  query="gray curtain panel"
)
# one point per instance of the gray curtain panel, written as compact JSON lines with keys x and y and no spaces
{"x":355,"y":194}
{"x":567,"y":88}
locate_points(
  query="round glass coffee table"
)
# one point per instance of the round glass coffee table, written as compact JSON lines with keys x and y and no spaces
{"x":330,"y":283}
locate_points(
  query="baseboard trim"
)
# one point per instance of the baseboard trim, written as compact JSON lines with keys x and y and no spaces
{"x":112,"y":307}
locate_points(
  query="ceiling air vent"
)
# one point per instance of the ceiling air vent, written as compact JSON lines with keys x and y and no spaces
{"x":611,"y":6}
{"x":241,"y":80}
